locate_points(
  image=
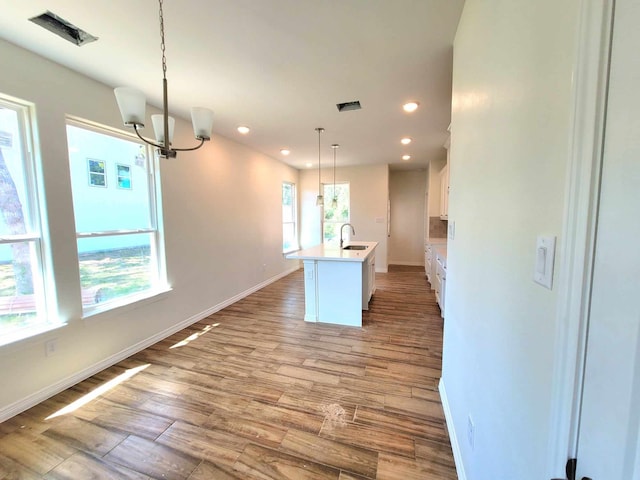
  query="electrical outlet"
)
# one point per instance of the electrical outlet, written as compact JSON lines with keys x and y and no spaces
{"x":50,"y":347}
{"x":451,"y":227}
{"x":471,"y":432}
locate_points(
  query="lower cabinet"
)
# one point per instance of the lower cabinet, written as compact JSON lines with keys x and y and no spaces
{"x":369,"y":280}
{"x":430,"y":259}
{"x":440,"y":277}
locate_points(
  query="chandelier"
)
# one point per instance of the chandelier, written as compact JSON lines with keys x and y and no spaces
{"x":132,"y":103}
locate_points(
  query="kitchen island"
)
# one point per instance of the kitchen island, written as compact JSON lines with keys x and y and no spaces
{"x":338,"y":282}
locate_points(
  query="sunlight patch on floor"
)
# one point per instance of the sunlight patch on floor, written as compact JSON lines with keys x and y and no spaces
{"x":194,"y":336}
{"x":95,"y":393}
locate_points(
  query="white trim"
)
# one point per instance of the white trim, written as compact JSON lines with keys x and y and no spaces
{"x":21,"y":405}
{"x":407,"y":264}
{"x":453,"y":437}
{"x":580,"y":209}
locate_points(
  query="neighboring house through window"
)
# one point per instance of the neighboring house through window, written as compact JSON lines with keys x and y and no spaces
{"x":119,"y":241}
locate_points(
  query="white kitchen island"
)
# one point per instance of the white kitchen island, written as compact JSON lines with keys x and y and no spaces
{"x":338,"y":283}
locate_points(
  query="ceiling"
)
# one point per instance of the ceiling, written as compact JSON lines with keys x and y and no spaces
{"x":277,"y":66}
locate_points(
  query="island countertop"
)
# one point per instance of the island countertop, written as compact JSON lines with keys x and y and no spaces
{"x":333,"y":253}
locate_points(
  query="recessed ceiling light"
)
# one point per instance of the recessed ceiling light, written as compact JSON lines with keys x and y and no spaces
{"x":309,"y":164}
{"x":406,"y":157}
{"x":405,"y":141}
{"x":285,"y":151}
{"x":243,"y":129}
{"x":410,"y":107}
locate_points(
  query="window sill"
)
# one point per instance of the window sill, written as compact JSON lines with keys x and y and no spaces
{"x":118,"y":306}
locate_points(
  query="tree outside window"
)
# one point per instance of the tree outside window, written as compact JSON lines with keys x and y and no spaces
{"x":21,"y":286}
{"x":289,"y":220}
{"x":334,"y":217}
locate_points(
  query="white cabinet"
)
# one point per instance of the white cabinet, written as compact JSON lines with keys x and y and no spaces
{"x":430,"y":259}
{"x":440,"y":281}
{"x":338,"y":282}
{"x":369,"y":276}
{"x":444,"y":192}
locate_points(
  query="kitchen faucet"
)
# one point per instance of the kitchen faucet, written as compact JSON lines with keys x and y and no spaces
{"x":353,"y":230}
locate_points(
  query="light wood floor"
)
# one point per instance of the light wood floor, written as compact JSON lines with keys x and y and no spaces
{"x":254,"y":392}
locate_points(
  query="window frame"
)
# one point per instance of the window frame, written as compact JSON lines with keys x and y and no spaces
{"x":103,"y":173}
{"x":33,"y":223}
{"x":294,"y":216}
{"x":155,"y":229}
{"x":328,"y":200}
{"x":118,"y":176}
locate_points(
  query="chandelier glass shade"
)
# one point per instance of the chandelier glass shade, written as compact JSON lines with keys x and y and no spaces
{"x":132,"y":105}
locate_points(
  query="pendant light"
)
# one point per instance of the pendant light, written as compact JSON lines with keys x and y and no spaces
{"x":334,"y":202}
{"x":319,"y":198}
{"x":131,"y":102}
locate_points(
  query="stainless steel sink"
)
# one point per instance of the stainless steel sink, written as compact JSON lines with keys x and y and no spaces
{"x":355,"y":247}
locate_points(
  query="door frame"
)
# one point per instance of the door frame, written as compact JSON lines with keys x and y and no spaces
{"x":587,"y":124}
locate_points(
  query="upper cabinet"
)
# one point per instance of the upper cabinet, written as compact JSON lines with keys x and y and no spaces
{"x":444,"y":182}
{"x":444,"y":192}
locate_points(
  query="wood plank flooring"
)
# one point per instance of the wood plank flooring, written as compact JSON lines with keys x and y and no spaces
{"x":254,"y":392}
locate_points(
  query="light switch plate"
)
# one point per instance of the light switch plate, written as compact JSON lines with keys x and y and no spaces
{"x":545,"y":256}
{"x":451,"y":228}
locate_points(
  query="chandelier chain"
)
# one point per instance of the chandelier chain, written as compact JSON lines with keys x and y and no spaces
{"x":162,"y":44}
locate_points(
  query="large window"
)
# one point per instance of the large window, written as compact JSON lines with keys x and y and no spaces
{"x":116,"y":224}
{"x":289,"y":230}
{"x":335,"y":217}
{"x":22,"y":302}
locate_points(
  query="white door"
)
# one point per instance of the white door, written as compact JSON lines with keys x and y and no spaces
{"x":608,"y":445}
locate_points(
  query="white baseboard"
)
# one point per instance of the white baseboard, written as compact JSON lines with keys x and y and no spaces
{"x":31,"y":400}
{"x":408,"y":264}
{"x":455,"y":443}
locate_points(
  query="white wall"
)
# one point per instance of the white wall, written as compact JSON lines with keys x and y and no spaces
{"x":369,"y":193}
{"x":407,"y":195}
{"x":512,"y":90}
{"x":222,"y":217}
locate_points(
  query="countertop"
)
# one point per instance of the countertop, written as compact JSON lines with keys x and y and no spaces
{"x":333,"y":253}
{"x":436,"y":240}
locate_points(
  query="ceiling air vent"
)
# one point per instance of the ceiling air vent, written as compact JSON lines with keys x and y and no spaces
{"x":62,"y":28}
{"x":345,"y":107}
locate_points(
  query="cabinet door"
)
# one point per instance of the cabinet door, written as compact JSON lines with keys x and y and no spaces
{"x":444,"y":192}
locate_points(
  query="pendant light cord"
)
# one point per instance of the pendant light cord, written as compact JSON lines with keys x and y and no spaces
{"x":319,"y":130}
{"x":319,"y":181}
{"x":334,"y":201}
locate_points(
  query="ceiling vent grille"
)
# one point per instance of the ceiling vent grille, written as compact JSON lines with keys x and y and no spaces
{"x":62,"y":28}
{"x":347,"y":106}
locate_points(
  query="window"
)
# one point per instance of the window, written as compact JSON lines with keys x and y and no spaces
{"x":22,"y":301}
{"x":124,"y":176}
{"x":97,"y":174}
{"x":289,"y":230}
{"x":119,"y":241}
{"x":335,"y":217}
